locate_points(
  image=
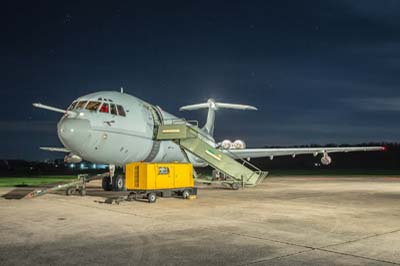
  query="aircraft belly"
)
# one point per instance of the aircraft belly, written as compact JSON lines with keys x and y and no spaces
{"x":171,"y":152}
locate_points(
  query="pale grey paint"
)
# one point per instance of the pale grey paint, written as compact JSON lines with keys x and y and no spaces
{"x":110,"y":139}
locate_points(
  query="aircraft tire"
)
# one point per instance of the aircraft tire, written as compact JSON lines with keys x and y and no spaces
{"x":118,"y":183}
{"x":106,"y":183}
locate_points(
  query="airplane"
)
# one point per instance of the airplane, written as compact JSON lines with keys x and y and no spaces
{"x":115,"y":128}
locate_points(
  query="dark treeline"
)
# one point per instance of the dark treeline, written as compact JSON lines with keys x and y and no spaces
{"x":379,"y":160}
{"x":35,"y":168}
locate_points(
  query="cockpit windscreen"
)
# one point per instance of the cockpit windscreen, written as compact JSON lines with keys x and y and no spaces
{"x":99,"y":106}
{"x":72,"y":106}
{"x":93,"y":106}
{"x":80,"y":105}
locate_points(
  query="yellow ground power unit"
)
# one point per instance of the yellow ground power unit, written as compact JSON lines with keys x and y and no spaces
{"x":149,"y":180}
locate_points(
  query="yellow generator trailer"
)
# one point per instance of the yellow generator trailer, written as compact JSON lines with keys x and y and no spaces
{"x":149,"y":180}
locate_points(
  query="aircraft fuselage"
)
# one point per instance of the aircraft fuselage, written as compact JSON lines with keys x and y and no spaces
{"x":119,"y":129}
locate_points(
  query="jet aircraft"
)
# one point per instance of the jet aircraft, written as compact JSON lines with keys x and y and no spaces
{"x":115,"y":128}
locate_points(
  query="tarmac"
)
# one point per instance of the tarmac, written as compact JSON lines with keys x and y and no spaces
{"x":283,"y":221}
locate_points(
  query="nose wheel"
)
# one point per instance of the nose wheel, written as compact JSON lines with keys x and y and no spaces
{"x":118,"y":183}
{"x":115,"y":184}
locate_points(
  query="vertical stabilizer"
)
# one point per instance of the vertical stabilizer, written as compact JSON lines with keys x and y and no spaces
{"x":213,"y":106}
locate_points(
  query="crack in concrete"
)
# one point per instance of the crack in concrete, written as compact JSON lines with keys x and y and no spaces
{"x":362,"y":238}
{"x":310,"y":248}
{"x":274,"y":258}
{"x":358,"y":256}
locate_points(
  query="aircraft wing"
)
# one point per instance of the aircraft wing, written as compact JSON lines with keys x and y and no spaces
{"x":272,"y":152}
{"x":54,"y":149}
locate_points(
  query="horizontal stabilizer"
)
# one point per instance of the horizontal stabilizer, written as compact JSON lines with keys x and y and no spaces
{"x":236,"y":106}
{"x":216,"y":105}
{"x":194,"y":107}
{"x":213,"y":106}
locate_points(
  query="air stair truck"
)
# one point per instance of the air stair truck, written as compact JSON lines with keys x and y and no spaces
{"x":149,"y":180}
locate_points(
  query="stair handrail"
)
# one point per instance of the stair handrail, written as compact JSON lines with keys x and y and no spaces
{"x":235,"y":156}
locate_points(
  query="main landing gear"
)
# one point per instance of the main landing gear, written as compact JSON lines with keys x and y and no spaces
{"x":113,"y":182}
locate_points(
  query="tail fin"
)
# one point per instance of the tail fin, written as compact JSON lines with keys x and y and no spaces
{"x":213,"y":106}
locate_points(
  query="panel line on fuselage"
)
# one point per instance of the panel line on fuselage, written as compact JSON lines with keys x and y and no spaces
{"x":120,"y":132}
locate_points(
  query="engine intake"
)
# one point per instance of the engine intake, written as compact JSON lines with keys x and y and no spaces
{"x":226,"y":144}
{"x":229,"y":145}
{"x":239,"y":144}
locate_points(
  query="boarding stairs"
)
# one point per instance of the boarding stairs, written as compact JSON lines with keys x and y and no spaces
{"x":190,"y":138}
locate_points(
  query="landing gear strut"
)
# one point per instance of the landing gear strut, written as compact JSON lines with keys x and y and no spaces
{"x":113,"y":182}
{"x":106,"y":183}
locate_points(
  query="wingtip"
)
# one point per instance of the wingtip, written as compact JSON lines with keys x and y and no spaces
{"x":252,"y":108}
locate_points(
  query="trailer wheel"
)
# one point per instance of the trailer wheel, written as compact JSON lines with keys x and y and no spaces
{"x":70,"y":191}
{"x":152,"y":197}
{"x":106,"y":183}
{"x":235,"y":186}
{"x":185,"y":194}
{"x":118,"y":183}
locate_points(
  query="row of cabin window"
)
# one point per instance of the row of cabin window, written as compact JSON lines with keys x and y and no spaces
{"x":115,"y":109}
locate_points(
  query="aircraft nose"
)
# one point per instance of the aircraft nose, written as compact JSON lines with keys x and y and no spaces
{"x":74,"y":133}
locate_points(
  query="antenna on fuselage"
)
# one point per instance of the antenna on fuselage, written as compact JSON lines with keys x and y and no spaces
{"x":122,"y":90}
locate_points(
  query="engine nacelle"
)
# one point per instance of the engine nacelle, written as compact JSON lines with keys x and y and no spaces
{"x":226,"y":144}
{"x":72,"y":158}
{"x":236,"y":145}
{"x":239,"y":144}
{"x":326,"y":159}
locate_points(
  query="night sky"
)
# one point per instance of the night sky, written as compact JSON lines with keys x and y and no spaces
{"x":319,"y":71}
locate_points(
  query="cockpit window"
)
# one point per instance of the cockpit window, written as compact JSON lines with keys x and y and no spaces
{"x":121,"y":110}
{"x":113,"y":109}
{"x":72,"y":106}
{"x":80,"y":105}
{"x":104,"y":108}
{"x":93,"y":106}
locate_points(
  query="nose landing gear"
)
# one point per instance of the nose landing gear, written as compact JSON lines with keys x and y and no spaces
{"x":118,"y":183}
{"x":112,"y":182}
{"x":106,"y":183}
